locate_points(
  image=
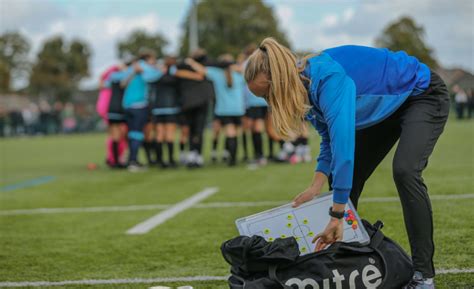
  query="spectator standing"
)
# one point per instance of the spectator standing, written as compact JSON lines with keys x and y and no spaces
{"x":470,"y":103}
{"x":460,"y":100}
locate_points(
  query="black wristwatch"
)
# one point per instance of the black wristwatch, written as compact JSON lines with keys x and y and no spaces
{"x":337,"y":215}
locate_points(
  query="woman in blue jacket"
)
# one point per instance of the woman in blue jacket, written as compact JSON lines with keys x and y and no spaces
{"x":361,"y":100}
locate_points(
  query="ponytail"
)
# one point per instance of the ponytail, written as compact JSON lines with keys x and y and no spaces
{"x":228,"y":76}
{"x":287,"y":97}
{"x":225,"y":61}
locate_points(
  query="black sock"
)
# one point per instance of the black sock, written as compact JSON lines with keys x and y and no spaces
{"x":159,"y":152}
{"x":226,"y":144}
{"x":244,"y":143}
{"x":257,"y":144}
{"x":282,"y":143}
{"x":199,"y":146}
{"x":115,"y":152}
{"x":270,"y":147}
{"x":232,"y":146}
{"x":215,"y":142}
{"x":148,"y":147}
{"x":152,"y":148}
{"x":304,"y":141}
{"x":182,"y":146}
{"x":192,"y":147}
{"x":170,"y":152}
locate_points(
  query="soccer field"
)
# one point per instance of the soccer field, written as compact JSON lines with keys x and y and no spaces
{"x":84,"y":238}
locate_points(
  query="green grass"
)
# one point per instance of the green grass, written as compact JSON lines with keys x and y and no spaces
{"x":73,"y":246}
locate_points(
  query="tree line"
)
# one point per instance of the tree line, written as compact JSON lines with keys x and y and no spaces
{"x":223,"y":27}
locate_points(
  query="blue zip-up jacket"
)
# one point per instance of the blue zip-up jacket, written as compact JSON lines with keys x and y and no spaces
{"x":135,"y":94}
{"x":354,"y":87}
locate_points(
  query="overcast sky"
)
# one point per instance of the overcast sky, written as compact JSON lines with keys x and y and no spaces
{"x":309,"y":24}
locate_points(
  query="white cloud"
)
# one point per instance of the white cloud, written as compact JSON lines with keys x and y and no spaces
{"x":330,"y":20}
{"x":448,"y":26}
{"x":285,"y":14}
{"x":58,"y":27}
{"x":313,"y":36}
{"x":115,"y":29}
{"x":348,"y":14}
{"x":39,"y":22}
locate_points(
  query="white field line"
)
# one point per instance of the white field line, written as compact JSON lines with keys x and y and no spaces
{"x":172,"y":211}
{"x":163,"y":280}
{"x":113,"y":281}
{"x":239,"y":204}
{"x":432,"y":197}
{"x":455,"y":271}
{"x":200,"y":206}
{"x":84,"y":210}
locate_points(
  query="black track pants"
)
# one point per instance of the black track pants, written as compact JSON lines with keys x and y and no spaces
{"x":417,"y":124}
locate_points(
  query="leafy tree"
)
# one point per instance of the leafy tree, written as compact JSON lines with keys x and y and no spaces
{"x":405,"y":34}
{"x":140,"y":39}
{"x":59,"y":68}
{"x":228,"y":26}
{"x":14,"y":49}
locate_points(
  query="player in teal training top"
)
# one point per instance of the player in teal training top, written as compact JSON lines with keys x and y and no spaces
{"x":361,"y":100}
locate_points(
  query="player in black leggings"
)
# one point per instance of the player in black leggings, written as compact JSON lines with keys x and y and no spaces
{"x":196,"y":93}
{"x":165,"y":111}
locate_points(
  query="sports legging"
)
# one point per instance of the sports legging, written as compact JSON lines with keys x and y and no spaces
{"x":196,"y":119}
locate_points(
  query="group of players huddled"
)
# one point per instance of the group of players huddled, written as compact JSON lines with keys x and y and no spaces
{"x":145,"y":102}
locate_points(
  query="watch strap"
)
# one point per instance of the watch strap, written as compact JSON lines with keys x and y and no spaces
{"x":337,"y":215}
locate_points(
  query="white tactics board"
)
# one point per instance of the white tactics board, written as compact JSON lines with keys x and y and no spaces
{"x":303,"y":223}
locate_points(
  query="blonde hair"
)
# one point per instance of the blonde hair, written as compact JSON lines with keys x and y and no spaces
{"x":287,"y":96}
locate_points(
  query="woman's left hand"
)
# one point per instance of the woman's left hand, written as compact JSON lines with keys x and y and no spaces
{"x":333,"y":232}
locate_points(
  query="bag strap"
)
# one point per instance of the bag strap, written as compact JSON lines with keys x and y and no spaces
{"x":375,"y":242}
{"x":378,"y":236}
{"x":273,"y":276}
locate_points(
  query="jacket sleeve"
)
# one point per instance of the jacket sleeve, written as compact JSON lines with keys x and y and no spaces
{"x":150,"y":73}
{"x":119,"y":75}
{"x":325,"y":155}
{"x":336,"y":98}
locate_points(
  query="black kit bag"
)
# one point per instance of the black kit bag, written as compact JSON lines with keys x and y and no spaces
{"x":195,"y":93}
{"x":257,"y":264}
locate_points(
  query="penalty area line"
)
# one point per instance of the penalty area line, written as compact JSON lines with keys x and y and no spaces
{"x":165,"y":279}
{"x":158,"y":219}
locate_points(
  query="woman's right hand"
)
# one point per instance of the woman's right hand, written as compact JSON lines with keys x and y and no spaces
{"x":306,"y":196}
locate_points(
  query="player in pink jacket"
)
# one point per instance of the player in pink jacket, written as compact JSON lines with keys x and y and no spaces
{"x":116,"y":143}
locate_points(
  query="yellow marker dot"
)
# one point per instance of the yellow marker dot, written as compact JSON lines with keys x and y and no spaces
{"x":303,"y":249}
{"x":305,"y":221}
{"x":311,"y":234}
{"x":289,"y":225}
{"x":289,"y":217}
{"x":283,"y":236}
{"x":266,"y":231}
{"x":298,"y":238}
{"x":270,"y":239}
